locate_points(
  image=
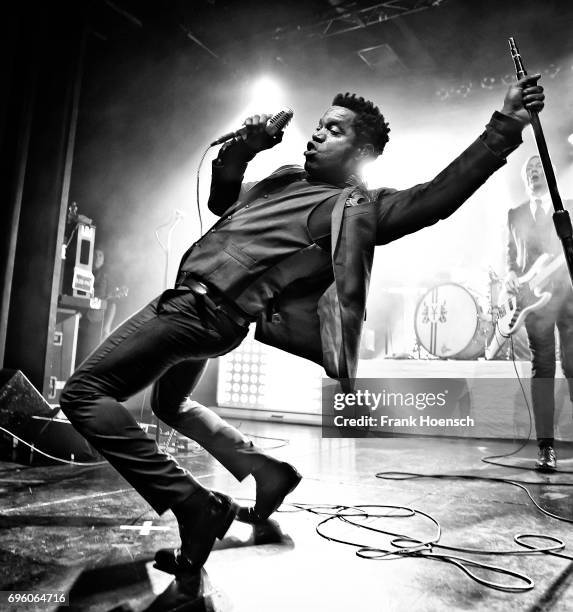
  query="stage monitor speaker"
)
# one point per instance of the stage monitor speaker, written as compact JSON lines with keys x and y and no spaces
{"x":26,"y":414}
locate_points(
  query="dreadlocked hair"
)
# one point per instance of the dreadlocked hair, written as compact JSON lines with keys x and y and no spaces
{"x":369,"y":123}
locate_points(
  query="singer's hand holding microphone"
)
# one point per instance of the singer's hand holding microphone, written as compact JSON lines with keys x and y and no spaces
{"x":255,"y":134}
{"x":260,"y":132}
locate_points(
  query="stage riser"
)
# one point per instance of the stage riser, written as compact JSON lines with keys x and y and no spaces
{"x":499,"y":408}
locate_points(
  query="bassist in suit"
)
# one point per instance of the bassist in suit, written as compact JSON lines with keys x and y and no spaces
{"x":531,"y":234}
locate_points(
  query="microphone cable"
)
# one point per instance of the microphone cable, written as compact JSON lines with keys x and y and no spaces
{"x":34,"y":449}
{"x":489,"y":459}
{"x":402,"y":545}
{"x":198,"y":203}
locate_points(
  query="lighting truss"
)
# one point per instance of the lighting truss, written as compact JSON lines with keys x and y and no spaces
{"x":355,"y":19}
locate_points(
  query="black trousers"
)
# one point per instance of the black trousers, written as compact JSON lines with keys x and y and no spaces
{"x":167,"y":343}
{"x":540,"y":326}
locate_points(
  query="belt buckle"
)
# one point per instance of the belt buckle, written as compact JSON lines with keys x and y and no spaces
{"x":196,"y":286}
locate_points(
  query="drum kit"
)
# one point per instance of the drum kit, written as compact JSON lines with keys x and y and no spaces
{"x":454,"y":322}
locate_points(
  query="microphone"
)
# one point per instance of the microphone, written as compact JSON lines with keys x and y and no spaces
{"x":275,"y":124}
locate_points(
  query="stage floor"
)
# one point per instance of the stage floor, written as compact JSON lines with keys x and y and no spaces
{"x":84,"y":531}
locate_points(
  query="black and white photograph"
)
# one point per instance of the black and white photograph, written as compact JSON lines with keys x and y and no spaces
{"x":286,"y":306}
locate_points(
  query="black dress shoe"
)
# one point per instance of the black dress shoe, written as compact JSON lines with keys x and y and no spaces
{"x":546,"y":459}
{"x":198,"y":530}
{"x":275,"y":480}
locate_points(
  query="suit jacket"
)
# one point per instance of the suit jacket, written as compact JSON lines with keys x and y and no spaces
{"x":527,"y":240}
{"x":322,"y":320}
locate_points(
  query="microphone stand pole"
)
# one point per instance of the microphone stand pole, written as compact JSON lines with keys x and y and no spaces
{"x":561,"y":218}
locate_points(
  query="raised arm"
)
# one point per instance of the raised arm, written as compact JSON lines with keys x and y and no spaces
{"x":408,"y":210}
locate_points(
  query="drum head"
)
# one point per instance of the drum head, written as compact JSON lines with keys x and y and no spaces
{"x":446,"y":320}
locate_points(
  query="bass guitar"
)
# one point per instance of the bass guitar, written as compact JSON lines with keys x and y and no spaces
{"x":510,"y":314}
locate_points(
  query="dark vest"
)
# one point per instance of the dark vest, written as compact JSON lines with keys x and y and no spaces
{"x":262,"y":244}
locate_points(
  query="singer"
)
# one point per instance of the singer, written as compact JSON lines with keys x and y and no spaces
{"x":292,"y":253}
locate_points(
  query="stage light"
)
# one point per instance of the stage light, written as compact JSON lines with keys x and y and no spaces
{"x":552,"y":70}
{"x":570,"y":139}
{"x":267,"y":93}
{"x":271,"y":388}
{"x":464,"y":89}
{"x":443,"y":93}
{"x":488,"y":82}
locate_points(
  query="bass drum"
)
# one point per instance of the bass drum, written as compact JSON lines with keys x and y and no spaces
{"x":449,"y":323}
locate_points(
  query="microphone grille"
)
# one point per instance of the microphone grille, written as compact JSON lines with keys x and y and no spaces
{"x":279,"y":121}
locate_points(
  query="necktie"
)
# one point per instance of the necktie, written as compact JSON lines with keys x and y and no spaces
{"x":539,"y":212}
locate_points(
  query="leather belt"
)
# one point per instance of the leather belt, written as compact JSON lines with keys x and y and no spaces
{"x":216,"y":298}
